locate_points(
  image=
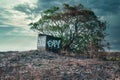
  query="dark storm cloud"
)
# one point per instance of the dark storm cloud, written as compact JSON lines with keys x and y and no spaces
{"x":102,"y":7}
{"x":42,"y":4}
{"x":111,"y":6}
{"x":25,"y":8}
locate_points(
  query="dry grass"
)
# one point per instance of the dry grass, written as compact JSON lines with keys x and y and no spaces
{"x":60,"y":68}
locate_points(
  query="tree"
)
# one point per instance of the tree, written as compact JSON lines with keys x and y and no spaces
{"x":79,"y":28}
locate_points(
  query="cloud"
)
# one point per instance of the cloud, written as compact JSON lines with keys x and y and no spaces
{"x":44,"y":4}
{"x":25,"y":8}
{"x":16,"y":16}
{"x":28,"y":10}
{"x":105,"y":6}
{"x":4,"y":15}
{"x":15,"y":31}
{"x":11,"y":3}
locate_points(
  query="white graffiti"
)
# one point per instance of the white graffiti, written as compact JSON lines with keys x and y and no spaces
{"x":53,"y":43}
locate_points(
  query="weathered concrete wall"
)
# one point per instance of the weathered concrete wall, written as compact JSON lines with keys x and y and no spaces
{"x":41,"y":44}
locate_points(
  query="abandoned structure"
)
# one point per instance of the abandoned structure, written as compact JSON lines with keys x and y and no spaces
{"x":48,"y":43}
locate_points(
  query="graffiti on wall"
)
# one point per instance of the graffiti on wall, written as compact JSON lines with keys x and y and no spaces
{"x":49,"y":43}
{"x":53,"y":43}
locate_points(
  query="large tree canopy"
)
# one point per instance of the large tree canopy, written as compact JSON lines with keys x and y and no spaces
{"x":78,"y":27}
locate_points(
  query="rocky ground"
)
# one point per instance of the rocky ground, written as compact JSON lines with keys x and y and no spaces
{"x":35,"y":65}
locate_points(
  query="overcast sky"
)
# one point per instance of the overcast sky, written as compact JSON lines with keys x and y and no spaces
{"x":15,"y":15}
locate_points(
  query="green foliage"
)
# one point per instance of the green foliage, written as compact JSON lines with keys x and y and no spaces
{"x":78,"y":27}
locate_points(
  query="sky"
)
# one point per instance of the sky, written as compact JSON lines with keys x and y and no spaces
{"x":15,"y":15}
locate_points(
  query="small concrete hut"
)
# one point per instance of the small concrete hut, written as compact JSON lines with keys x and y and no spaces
{"x":48,"y":43}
